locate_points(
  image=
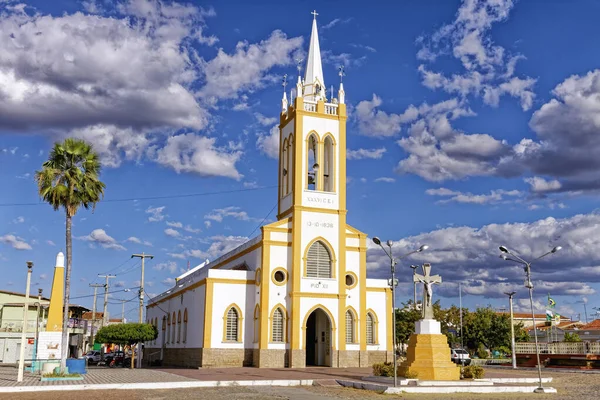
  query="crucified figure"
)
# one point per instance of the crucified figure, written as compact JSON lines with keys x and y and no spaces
{"x":427,"y":280}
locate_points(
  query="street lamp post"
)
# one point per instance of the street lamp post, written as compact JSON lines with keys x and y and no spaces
{"x":414,"y":268}
{"x":24,"y":328}
{"x":393,"y":283}
{"x":512,"y":329}
{"x":529,"y":285}
{"x":37,"y":323}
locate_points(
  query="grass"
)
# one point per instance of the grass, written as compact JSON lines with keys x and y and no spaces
{"x":61,"y":375}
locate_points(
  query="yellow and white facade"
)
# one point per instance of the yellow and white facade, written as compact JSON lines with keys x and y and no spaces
{"x":298,"y":294}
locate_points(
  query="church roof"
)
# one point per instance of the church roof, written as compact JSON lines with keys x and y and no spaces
{"x":314,"y":67}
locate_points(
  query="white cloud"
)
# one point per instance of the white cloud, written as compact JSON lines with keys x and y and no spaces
{"x":172,"y":232}
{"x":174,"y":224}
{"x":43,"y":276}
{"x":361,"y":154}
{"x":168,"y":282}
{"x":190,"y":229}
{"x":268,"y":144}
{"x":334,"y":22}
{"x":495,"y":196}
{"x":15,"y":242}
{"x":134,"y":239}
{"x":541,"y":185}
{"x":170,"y":266}
{"x":100,"y":237}
{"x":207,"y":224}
{"x":119,"y":284}
{"x":18,"y":220}
{"x":220,"y":245}
{"x":265,"y":121}
{"x":470,"y":255}
{"x":375,"y":122}
{"x":156,"y":213}
{"x":219,"y":214}
{"x":50,"y":242}
{"x":385,"y":179}
{"x":198,"y":154}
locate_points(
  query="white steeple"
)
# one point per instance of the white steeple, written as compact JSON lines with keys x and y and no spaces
{"x":313,"y":74}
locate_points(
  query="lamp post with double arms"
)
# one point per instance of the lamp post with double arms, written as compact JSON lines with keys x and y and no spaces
{"x":509,"y":256}
{"x":393,"y":283}
{"x":512,"y":329}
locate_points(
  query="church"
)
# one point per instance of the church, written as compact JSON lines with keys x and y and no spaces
{"x":297,"y":295}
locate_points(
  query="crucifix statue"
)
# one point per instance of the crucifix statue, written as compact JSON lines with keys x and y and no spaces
{"x":427,"y":280}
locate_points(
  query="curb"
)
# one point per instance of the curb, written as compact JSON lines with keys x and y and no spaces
{"x":156,"y":385}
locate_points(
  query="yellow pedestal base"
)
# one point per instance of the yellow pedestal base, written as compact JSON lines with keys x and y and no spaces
{"x":428,"y":357}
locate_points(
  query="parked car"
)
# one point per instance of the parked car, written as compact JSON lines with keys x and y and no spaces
{"x":93,"y":357}
{"x":460,"y":356}
{"x":118,"y":359}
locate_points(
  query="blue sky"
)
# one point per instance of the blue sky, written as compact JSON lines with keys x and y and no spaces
{"x":472,"y":124}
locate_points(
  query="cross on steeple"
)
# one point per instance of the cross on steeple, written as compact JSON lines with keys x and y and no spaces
{"x":341,"y":72}
{"x":284,"y":83}
{"x":427,"y":280}
{"x":314,"y":13}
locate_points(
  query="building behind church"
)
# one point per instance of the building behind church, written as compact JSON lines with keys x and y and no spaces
{"x":297,"y":294}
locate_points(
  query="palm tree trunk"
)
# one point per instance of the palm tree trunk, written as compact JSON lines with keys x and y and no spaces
{"x":65,"y":327}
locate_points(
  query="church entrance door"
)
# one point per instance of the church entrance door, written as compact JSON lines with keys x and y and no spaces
{"x":318,"y":339}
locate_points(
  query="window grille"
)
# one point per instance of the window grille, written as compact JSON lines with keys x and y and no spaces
{"x":232,"y":325}
{"x":349,"y":327}
{"x":370,"y":329}
{"x":278,"y":327}
{"x":318,"y":262}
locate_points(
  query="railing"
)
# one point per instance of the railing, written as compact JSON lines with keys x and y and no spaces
{"x":16,"y":325}
{"x":310,"y":106}
{"x":559,"y":348}
{"x":331,"y":109}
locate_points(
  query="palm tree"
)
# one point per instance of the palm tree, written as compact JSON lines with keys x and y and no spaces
{"x":69,"y":180}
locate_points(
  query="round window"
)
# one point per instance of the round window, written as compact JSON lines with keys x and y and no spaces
{"x":349,"y":280}
{"x":279,"y":276}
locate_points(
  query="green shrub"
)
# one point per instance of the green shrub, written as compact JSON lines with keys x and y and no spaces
{"x":482,"y":352}
{"x":383,"y":369}
{"x":473,"y":372}
{"x":411,"y":375}
{"x":504,"y":350}
{"x":61,"y":375}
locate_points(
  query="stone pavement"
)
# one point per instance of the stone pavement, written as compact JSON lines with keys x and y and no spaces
{"x":8,"y":377}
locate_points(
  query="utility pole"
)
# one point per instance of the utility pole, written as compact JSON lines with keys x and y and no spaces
{"x":95,"y":286}
{"x":512,"y":329}
{"x":105,"y":314}
{"x":37,"y":323}
{"x":143,"y":256}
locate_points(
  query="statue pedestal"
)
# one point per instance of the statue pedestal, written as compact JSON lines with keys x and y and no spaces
{"x":428,"y":354}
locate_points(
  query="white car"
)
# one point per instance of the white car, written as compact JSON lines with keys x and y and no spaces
{"x":460,"y":356}
{"x":93,"y":357}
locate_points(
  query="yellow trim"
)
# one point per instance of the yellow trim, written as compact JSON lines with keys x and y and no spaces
{"x":375,"y":328}
{"x":351,"y":248}
{"x":352,"y":236}
{"x":257,"y":276}
{"x":390,"y":323}
{"x":277,"y":243}
{"x":239,"y":321}
{"x":233,"y":281}
{"x":331,"y":320}
{"x":331,"y":253}
{"x":169,"y":297}
{"x":318,"y":295}
{"x":363,"y":294}
{"x":264,"y":291}
{"x":354,"y":324}
{"x":285,"y":274}
{"x":285,"y":321}
{"x":208,"y":309}
{"x":256,"y":325}
{"x":354,"y":277}
{"x":280,"y":230}
{"x":238,"y":255}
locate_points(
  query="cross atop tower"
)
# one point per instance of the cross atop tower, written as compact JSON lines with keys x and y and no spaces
{"x":314,"y":13}
{"x":284,"y":83}
{"x":427,"y":280}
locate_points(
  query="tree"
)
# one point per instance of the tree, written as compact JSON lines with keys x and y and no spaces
{"x":127,"y":334}
{"x":571,"y":337}
{"x":486,"y":327}
{"x":405,"y":322}
{"x":69,"y":180}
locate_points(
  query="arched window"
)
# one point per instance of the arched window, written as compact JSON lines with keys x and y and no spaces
{"x":168,"y":335}
{"x":231,"y":330}
{"x":318,"y":261}
{"x":328,"y":165}
{"x":185,"y":322}
{"x":284,"y":167}
{"x":312,"y":151}
{"x":173,"y":326}
{"x":370,"y":329}
{"x":179,"y":326}
{"x":290,"y":164}
{"x":278,"y":325}
{"x":350,"y":338}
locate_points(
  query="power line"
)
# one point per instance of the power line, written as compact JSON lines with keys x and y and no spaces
{"x":263,"y":221}
{"x":174,"y":196}
{"x":91,"y":295}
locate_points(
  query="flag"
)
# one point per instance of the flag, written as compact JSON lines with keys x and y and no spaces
{"x":548,"y":315}
{"x":551,"y":302}
{"x":557,"y":319}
